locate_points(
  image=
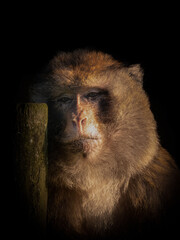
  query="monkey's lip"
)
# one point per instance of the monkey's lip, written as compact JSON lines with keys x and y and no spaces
{"x":81,"y":144}
{"x":87,"y":138}
{"x":78,"y":139}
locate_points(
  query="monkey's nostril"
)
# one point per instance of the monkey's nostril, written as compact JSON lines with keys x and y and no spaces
{"x":83,"y":121}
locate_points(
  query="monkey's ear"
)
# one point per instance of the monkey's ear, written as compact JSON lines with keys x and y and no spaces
{"x":136,"y":72}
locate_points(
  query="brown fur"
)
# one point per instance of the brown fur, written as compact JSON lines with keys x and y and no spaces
{"x":126,"y":182}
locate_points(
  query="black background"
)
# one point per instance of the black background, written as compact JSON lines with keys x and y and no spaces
{"x":150,"y":37}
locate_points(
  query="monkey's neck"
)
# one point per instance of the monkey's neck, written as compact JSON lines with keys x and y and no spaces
{"x":90,"y":210}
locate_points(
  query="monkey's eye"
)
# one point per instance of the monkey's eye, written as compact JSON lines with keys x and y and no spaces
{"x":92,"y":95}
{"x":64,"y":100}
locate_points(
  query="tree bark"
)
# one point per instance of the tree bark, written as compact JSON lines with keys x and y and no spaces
{"x":31,"y":164}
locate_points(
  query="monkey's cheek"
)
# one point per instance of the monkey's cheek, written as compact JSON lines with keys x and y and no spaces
{"x":92,"y":130}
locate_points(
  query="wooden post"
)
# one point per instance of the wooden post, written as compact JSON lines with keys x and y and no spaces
{"x":31,"y":165}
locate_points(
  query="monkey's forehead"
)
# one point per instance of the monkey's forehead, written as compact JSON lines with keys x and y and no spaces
{"x":73,"y":78}
{"x":82,"y":67}
{"x":87,"y":69}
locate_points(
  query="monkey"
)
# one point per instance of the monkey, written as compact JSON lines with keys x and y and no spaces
{"x":108,"y":175}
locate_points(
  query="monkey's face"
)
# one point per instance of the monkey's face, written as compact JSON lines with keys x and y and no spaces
{"x":80,"y":119}
{"x":97,"y":108}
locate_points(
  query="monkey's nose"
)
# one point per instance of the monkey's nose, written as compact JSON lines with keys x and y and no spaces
{"x":79,"y":122}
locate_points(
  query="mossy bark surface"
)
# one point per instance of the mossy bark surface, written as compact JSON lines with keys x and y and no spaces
{"x":31,"y":162}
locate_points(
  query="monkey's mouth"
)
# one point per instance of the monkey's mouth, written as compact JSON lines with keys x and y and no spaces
{"x":68,"y":140}
{"x":81,"y":144}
